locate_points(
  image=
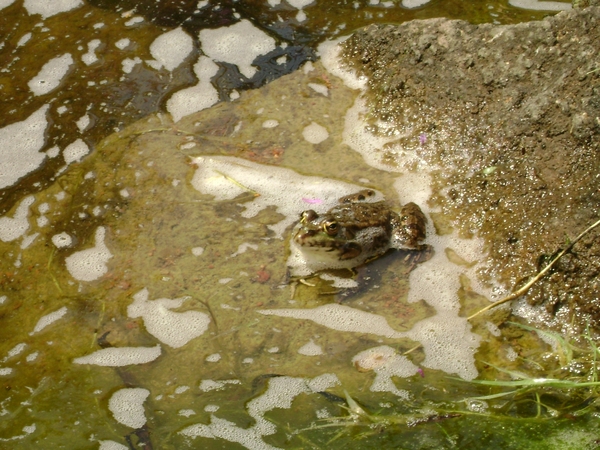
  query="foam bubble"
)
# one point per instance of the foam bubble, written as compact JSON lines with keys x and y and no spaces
{"x":329,"y":52}
{"x":280,"y":393}
{"x":172,"y":328}
{"x":196,"y":98}
{"x":319,"y":88}
{"x":540,"y":5}
{"x":212,"y":385}
{"x":122,"y":44}
{"x":340,"y":318}
{"x":120,"y":356}
{"x":127,"y":406}
{"x":90,"y":57}
{"x":83,"y":123}
{"x":242,"y":248}
{"x":49,"y":319}
{"x":300,"y":4}
{"x":111,"y":445}
{"x":75,"y":151}
{"x":239,"y":44}
{"x":20,"y":145}
{"x":272,"y":123}
{"x":310,"y":349}
{"x":315,"y":133}
{"x":25,"y":38}
{"x":14,"y":227}
{"x":28,"y":240}
{"x":47,"y":9}
{"x":290,"y":192}
{"x":90,"y":264}
{"x":448,"y":343}
{"x":386,"y":363}
{"x":215,"y":357}
{"x":128,"y":64}
{"x":51,"y":75}
{"x":17,"y":349}
{"x":359,"y":139}
{"x":170,"y":49}
{"x":414,"y":3}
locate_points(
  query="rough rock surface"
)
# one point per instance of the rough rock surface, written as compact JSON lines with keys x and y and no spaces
{"x":511,"y":115}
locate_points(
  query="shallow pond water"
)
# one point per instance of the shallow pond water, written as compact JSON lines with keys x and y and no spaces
{"x":145,"y":298}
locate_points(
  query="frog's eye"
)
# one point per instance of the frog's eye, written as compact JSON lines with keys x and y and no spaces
{"x":330,"y":227}
{"x":308,"y":215}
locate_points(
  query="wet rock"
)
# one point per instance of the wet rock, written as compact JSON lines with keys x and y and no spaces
{"x":522,"y":99}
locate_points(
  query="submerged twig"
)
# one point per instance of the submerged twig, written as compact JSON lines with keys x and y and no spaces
{"x":540,"y":274}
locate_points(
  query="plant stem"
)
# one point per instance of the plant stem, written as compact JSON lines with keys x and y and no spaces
{"x":540,"y":274}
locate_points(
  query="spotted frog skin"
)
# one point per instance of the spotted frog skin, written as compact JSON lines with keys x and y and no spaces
{"x":356,"y":231}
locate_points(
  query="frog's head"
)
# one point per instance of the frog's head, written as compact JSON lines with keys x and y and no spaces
{"x":323,"y":238}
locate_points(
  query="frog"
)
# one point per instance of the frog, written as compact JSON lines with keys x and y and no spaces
{"x":352,"y":233}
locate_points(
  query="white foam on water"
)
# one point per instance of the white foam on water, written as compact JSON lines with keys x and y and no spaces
{"x":47,"y":8}
{"x":359,"y":139}
{"x":83,"y":123}
{"x":172,"y":328}
{"x":216,"y":385}
{"x":215,"y":357}
{"x":28,"y":240}
{"x":90,"y":264}
{"x":51,"y":75}
{"x":122,"y":44}
{"x":90,"y":57}
{"x":242,"y":248}
{"x":6,"y":3}
{"x":449,"y":344}
{"x":541,"y":5}
{"x":280,"y":394}
{"x":75,"y":151}
{"x":290,"y":192}
{"x":386,"y":363}
{"x":16,"y":350}
{"x":20,"y":145}
{"x":120,"y":356}
{"x":315,"y":133}
{"x":128,"y":64}
{"x":447,"y":340}
{"x":196,"y":98}
{"x":14,"y":227}
{"x":170,"y":49}
{"x":239,"y":44}
{"x":310,"y":349}
{"x":48,"y":319}
{"x":24,"y":39}
{"x":272,"y":123}
{"x":127,"y":406}
{"x":300,"y":4}
{"x":329,"y":52}
{"x":319,"y":88}
{"x":414,"y":3}
{"x":340,"y":318}
{"x":111,"y":445}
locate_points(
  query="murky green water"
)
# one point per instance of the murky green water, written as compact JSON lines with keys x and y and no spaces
{"x":224,"y":367}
